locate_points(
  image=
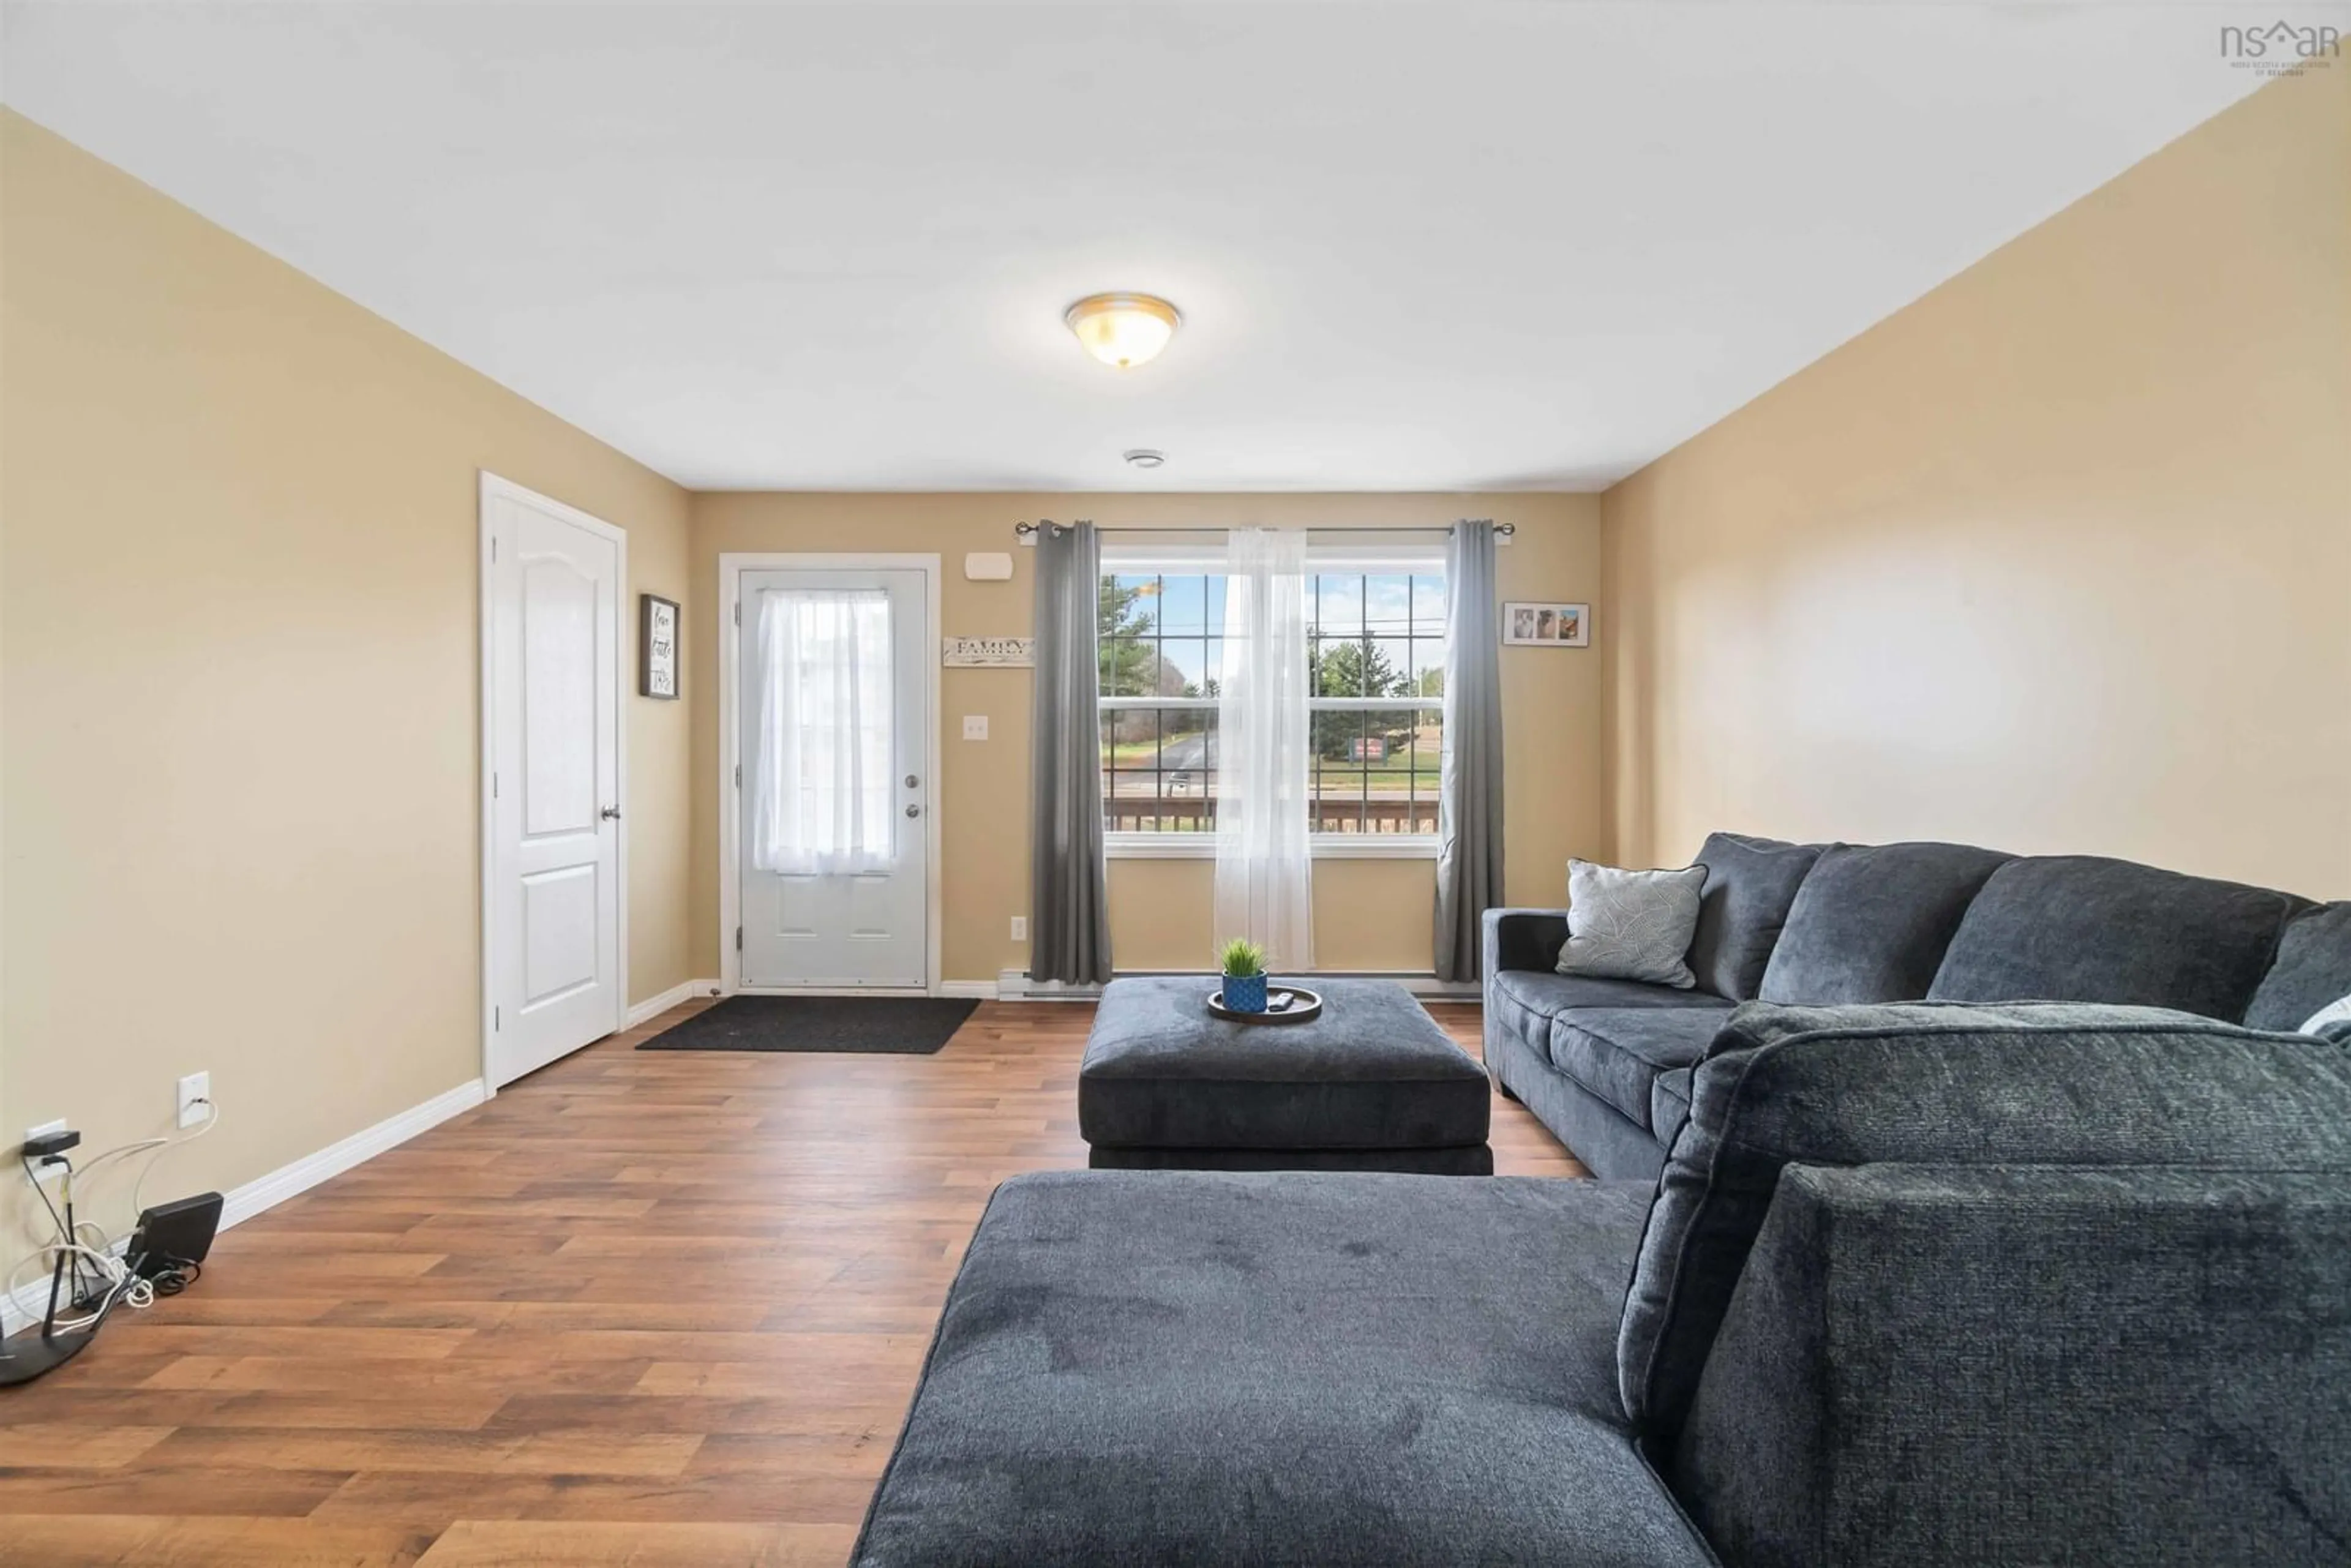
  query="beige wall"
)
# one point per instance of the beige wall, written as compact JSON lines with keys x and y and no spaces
{"x":2052,"y":560}
{"x":237,"y":517}
{"x":1368,"y":915}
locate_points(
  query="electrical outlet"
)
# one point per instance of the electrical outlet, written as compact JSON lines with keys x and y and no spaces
{"x":974,"y":727}
{"x":1020,"y":928}
{"x":196,"y":1099}
{"x":42,"y":1171}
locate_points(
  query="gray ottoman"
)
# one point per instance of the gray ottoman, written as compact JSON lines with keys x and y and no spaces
{"x":1373,"y":1084}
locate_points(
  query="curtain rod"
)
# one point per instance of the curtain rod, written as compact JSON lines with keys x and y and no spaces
{"x":1044,"y":523}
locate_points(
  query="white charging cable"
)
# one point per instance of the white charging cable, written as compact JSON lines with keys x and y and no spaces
{"x":140,"y":1184}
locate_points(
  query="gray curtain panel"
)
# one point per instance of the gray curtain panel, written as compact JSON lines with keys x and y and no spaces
{"x":1068,"y":907}
{"x":1469,"y":792}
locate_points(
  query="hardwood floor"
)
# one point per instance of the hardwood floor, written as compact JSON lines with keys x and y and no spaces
{"x":648,"y":1307}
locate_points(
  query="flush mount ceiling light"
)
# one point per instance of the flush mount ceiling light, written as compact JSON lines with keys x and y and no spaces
{"x":1144,"y":457}
{"x":1122,"y":329}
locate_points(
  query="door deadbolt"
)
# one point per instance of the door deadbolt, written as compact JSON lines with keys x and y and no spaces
{"x":912,"y":781}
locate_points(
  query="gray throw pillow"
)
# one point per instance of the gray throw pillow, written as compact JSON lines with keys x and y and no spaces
{"x":1631,"y":925}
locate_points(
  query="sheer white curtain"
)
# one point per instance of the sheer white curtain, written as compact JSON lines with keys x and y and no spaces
{"x":821,"y":776}
{"x":1264,"y":739}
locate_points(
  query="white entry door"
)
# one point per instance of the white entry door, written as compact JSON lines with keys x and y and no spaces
{"x":552,"y":640}
{"x":832,"y":722}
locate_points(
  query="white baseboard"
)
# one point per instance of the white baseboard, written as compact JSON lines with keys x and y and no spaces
{"x":1014,"y":985}
{"x":25,"y":1306}
{"x":983,"y":990}
{"x":286,"y":1181}
{"x":685,"y":991}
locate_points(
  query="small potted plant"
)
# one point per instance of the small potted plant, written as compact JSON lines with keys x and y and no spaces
{"x":1244,"y":966}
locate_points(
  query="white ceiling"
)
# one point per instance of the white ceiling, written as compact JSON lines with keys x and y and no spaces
{"x":1418,"y":246}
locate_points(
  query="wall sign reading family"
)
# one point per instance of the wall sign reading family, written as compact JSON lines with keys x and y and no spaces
{"x":656,"y":647}
{"x":1547,"y":625}
{"x":989,"y":653}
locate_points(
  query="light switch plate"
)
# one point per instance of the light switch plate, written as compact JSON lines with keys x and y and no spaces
{"x":974,"y":727}
{"x":1020,"y":928}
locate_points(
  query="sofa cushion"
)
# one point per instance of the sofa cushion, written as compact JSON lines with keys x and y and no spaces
{"x":1630,"y":924}
{"x":1871,"y":922}
{"x":1932,"y":1366}
{"x":2313,"y":969}
{"x":1203,"y":1367}
{"x":2026,"y":1083}
{"x":1610,"y":1145}
{"x":1373,"y":1072}
{"x":1617,"y":1054}
{"x":1548,"y":995}
{"x":1749,"y":883}
{"x":1669,"y":1095}
{"x":2086,"y":929}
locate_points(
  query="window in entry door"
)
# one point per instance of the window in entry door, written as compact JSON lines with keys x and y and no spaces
{"x":822,"y":775}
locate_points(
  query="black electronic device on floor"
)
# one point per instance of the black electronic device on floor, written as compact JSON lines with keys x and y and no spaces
{"x":172,"y":1239}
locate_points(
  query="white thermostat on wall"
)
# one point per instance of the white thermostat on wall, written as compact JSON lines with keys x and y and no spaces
{"x":988,"y":566}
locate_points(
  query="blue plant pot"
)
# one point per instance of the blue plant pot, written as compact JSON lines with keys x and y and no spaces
{"x":1245,"y":994}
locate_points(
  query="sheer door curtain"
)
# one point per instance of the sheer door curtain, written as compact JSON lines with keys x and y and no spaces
{"x":1265,"y":865}
{"x":823,"y":772}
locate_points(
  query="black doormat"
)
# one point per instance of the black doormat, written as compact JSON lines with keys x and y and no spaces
{"x":897,"y":1026}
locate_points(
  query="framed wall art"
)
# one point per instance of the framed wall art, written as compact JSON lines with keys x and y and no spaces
{"x":657,"y":624}
{"x":1547,"y":625}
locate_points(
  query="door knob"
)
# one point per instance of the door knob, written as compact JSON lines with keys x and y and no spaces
{"x":914,"y":810}
{"x":610,"y":814}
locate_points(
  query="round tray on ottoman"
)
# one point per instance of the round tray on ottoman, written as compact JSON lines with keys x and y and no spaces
{"x":1284,"y":1004}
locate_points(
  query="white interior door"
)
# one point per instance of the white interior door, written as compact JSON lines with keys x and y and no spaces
{"x":833,"y":723}
{"x":553,"y":645}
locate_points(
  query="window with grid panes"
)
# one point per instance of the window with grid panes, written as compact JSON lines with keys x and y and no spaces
{"x":1376,"y":659}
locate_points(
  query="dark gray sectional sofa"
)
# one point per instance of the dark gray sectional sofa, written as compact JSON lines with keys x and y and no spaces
{"x":1921,"y":1286}
{"x":1606,"y":1064}
{"x":1962,"y":1282}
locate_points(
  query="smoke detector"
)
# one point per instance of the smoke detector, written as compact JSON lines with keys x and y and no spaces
{"x":1144,"y":457}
